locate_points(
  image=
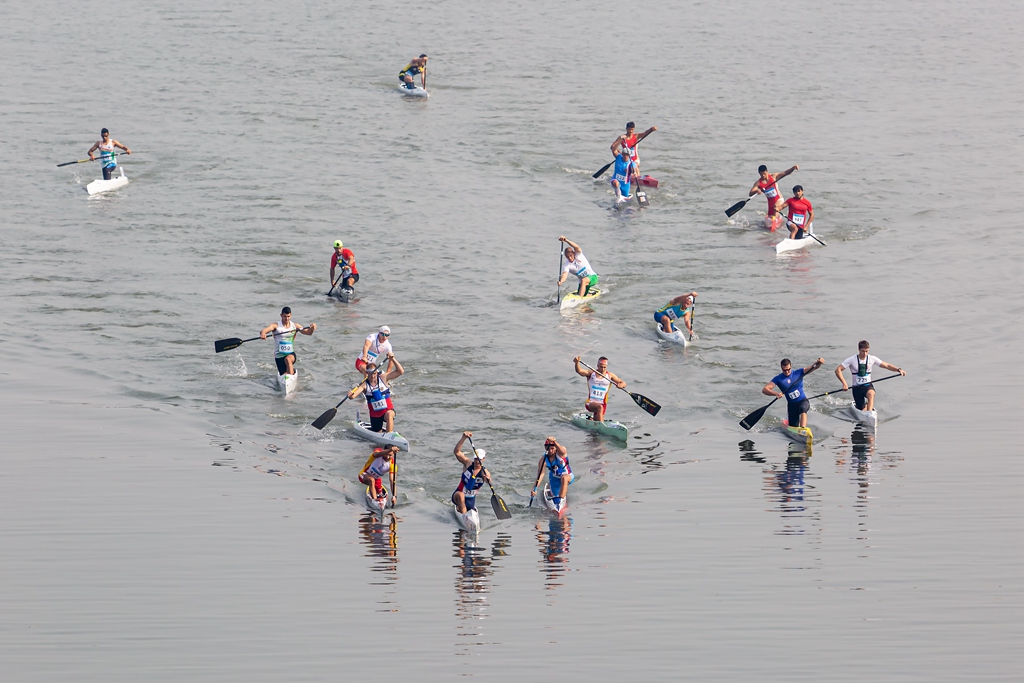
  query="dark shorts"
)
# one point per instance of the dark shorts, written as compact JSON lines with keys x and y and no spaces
{"x":282,"y":367}
{"x":108,"y":171}
{"x":377,"y":423}
{"x":796,"y":409}
{"x":354,"y":276}
{"x":470,"y":501}
{"x":860,"y":395}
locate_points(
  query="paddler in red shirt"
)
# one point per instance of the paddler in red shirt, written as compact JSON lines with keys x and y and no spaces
{"x":766,"y":185}
{"x":347,"y":260}
{"x":630,"y":140}
{"x":801,"y":214}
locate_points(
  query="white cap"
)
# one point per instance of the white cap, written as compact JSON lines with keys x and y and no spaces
{"x":384,"y":329}
{"x":481,"y":453}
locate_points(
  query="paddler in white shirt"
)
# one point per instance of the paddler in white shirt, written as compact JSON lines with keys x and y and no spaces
{"x":598,"y":384}
{"x":284,"y":335}
{"x":376,"y":344}
{"x":860,"y":368}
{"x":106,"y":147}
{"x":577,"y":264}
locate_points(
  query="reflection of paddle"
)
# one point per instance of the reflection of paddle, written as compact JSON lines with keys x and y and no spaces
{"x":497,"y":504}
{"x":328,"y":415}
{"x":235,"y":342}
{"x":755,"y":417}
{"x":642,"y":401}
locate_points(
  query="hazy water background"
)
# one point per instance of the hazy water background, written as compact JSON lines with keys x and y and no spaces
{"x":266,"y":131}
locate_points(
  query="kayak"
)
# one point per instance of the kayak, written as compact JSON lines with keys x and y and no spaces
{"x":286,"y":383}
{"x":377,"y":505}
{"x":801,"y":435}
{"x":363,"y":431}
{"x":792,"y":245}
{"x":549,"y":502}
{"x":677,"y":336}
{"x":867,"y":418}
{"x":469,"y":521}
{"x":100,"y":185}
{"x":413,"y":92}
{"x":648,"y":181}
{"x":607,"y":428}
{"x":572,"y":299}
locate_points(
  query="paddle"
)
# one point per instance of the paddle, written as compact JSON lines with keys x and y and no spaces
{"x":394,"y":487}
{"x":641,"y":196}
{"x":693,"y":317}
{"x":642,"y":401}
{"x":755,"y":417}
{"x":335,"y":283}
{"x":600,"y":171}
{"x":235,"y":342}
{"x":735,"y":208}
{"x":82,"y":161}
{"x":497,"y":504}
{"x":558,"y":286}
{"x":329,"y":415}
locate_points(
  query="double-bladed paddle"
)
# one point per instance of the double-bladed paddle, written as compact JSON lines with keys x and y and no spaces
{"x":235,"y":342}
{"x":755,"y":417}
{"x":329,"y":414}
{"x":497,"y":504}
{"x":642,"y":401}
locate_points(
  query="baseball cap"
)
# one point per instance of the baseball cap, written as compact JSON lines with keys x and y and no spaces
{"x":337,"y":243}
{"x":384,"y":329}
{"x":481,"y":453}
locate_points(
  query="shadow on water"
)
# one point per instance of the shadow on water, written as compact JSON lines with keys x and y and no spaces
{"x":473,"y":577}
{"x":554,"y":550}
{"x":380,"y":539}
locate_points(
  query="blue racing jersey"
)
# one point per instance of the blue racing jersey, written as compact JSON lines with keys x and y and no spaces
{"x":792,"y":386}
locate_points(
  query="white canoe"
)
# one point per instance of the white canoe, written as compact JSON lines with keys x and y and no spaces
{"x":792,"y":245}
{"x":572,"y":299}
{"x":363,"y":431}
{"x":801,"y":435}
{"x":377,"y":505}
{"x":286,"y":383}
{"x":469,"y":521}
{"x":100,"y":185}
{"x":549,"y":502}
{"x":677,"y":336}
{"x":413,"y":92}
{"x":610,"y":428}
{"x":343,"y":294}
{"x":867,"y":418}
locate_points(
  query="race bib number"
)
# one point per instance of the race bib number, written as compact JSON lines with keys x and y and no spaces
{"x":793,"y":395}
{"x":371,"y":357}
{"x":771,"y":192}
{"x":598,"y":393}
{"x":379,"y":403}
{"x":284,"y":347}
{"x":862,"y":380}
{"x":799,"y":218}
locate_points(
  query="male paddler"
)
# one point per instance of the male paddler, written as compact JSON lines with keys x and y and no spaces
{"x":767,"y":184}
{"x":474,"y":475}
{"x":622,"y":175}
{"x":801,"y":214}
{"x":790,"y":383}
{"x":577,"y":264}
{"x":556,"y":461}
{"x":106,"y":147}
{"x":630,"y":140}
{"x":680,"y":308}
{"x":284,"y":334}
{"x":381,"y":462}
{"x":376,"y":344}
{"x":347,"y":261}
{"x":415,"y":66}
{"x":377,"y":390}
{"x":860,"y":368}
{"x":598,"y":383}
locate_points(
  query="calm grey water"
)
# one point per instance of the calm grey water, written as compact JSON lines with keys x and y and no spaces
{"x":165,"y":516}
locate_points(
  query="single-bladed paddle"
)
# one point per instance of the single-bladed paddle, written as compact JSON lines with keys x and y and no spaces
{"x":755,"y":417}
{"x":329,"y":414}
{"x":235,"y":342}
{"x":645,"y":403}
{"x":497,"y":504}
{"x":84,"y":161}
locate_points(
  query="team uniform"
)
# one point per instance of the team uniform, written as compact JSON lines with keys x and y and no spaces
{"x":630,"y":142}
{"x":580,"y":267}
{"x":377,"y":467}
{"x":558,"y":468}
{"x":771,"y":193}
{"x":376,"y":349}
{"x":793,"y":388}
{"x":285,"y":338}
{"x":621,"y":173}
{"x":597,"y":389}
{"x":861,"y":371}
{"x":107,"y":158}
{"x":378,"y":401}
{"x":347,"y":261}
{"x":799,"y":211}
{"x":469,"y":485}
{"x":410,"y":69}
{"x":673,"y":312}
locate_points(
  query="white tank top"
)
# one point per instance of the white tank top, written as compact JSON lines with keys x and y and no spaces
{"x":285,"y":337}
{"x":598,"y":386}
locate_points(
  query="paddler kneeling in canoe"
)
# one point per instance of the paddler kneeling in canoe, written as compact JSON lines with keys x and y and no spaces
{"x":377,"y":389}
{"x":680,"y":308}
{"x":801,"y":214}
{"x":577,"y":264}
{"x":474,"y":475}
{"x":284,"y":333}
{"x":622,"y":175}
{"x":598,"y":382}
{"x":556,"y":461}
{"x":381,"y":462}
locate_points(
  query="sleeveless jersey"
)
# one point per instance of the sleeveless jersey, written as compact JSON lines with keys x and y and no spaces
{"x":559,"y":468}
{"x":107,"y":157}
{"x":674,"y":312}
{"x":629,"y":141}
{"x":580,"y":266}
{"x":771,"y":191}
{"x":285,"y":337}
{"x":378,"y":398}
{"x":468,"y":484}
{"x":378,"y":467}
{"x":598,"y":387}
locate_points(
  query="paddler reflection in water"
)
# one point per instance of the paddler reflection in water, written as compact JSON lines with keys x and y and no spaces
{"x":377,"y":390}
{"x":556,"y":461}
{"x":598,"y":384}
{"x":860,"y":368}
{"x":577,"y":264}
{"x":474,"y":475}
{"x":801,"y":214}
{"x":381,"y":462}
{"x":284,"y":335}
{"x":791,"y":382}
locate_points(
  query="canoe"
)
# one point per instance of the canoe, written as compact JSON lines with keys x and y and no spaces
{"x":867,"y":418}
{"x":413,"y":92}
{"x":363,"y":431}
{"x":469,"y":521}
{"x":100,"y":185}
{"x":608,"y":427}
{"x":343,"y":294}
{"x":648,"y":181}
{"x":801,"y":435}
{"x":549,"y":502}
{"x":773,"y":223}
{"x":286,"y":383}
{"x":677,"y":336}
{"x":792,"y":245}
{"x":377,"y":505}
{"x":572,"y":299}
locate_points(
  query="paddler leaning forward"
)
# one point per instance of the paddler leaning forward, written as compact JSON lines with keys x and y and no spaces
{"x":577,"y":264}
{"x":474,"y":475}
{"x":801,"y":214}
{"x":679,"y":308}
{"x":284,"y":334}
{"x":860,"y":368}
{"x":377,"y":390}
{"x":376,"y":344}
{"x":381,"y":462}
{"x":790,"y":383}
{"x":556,"y":461}
{"x":767,"y":184}
{"x":598,"y":383}
{"x":106,"y":147}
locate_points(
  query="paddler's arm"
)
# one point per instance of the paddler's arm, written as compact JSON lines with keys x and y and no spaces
{"x":616,"y":145}
{"x":397,"y":372}
{"x":810,"y":214}
{"x":893,"y":368}
{"x":93,"y":149}
{"x":366,"y":346}
{"x":769,"y":390}
{"x":581,"y":371}
{"x":646,"y":133}
{"x":814,"y":366}
{"x":785,"y":173}
{"x":839,"y":374}
{"x":355,"y":391}
{"x":118,"y":144}
{"x":618,"y":382}
{"x":755,"y":189}
{"x":572,"y":244}
{"x":308,"y":330}
{"x":459,"y":455}
{"x":269,"y":328}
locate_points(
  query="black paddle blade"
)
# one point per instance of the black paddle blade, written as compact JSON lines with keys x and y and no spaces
{"x":500,"y":509}
{"x":646,"y":403}
{"x":322,"y":421}
{"x":227,"y":344}
{"x":641,"y":199}
{"x":755,"y":417}
{"x":735,"y":208}
{"x":600,"y":171}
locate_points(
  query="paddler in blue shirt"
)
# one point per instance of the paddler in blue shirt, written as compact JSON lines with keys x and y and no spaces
{"x":622,"y":175}
{"x":791,"y":383}
{"x":106,"y":148}
{"x":680,"y":308}
{"x":415,"y":66}
{"x":630,"y":139}
{"x":474,"y":476}
{"x":556,"y":461}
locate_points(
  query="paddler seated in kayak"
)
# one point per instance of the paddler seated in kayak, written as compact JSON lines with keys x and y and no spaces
{"x":767,"y":185}
{"x":577,"y":264}
{"x":415,"y":66}
{"x":622,"y":175}
{"x":347,"y":261}
{"x":630,"y":140}
{"x":860,"y":368}
{"x":801,"y":214}
{"x":284,"y":334}
{"x":106,"y":147}
{"x":376,"y":344}
{"x":680,"y":308}
{"x":381,"y":462}
{"x":377,"y":390}
{"x":791,"y":384}
{"x":474,"y":475}
{"x":598,"y":383}
{"x":556,"y":461}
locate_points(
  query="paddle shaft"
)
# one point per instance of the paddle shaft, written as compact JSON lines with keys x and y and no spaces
{"x":558,"y":285}
{"x":329,"y":414}
{"x":600,"y":171}
{"x":693,"y":317}
{"x":839,"y":391}
{"x":750,"y":420}
{"x":84,"y":161}
{"x":638,"y":399}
